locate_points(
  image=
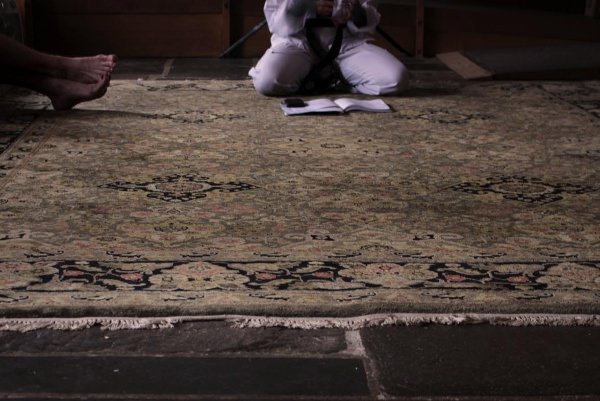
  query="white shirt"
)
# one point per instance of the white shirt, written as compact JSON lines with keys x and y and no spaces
{"x":287,"y":25}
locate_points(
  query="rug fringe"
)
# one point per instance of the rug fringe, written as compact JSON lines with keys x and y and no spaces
{"x":307,"y":323}
{"x":418,"y":319}
{"x":111,"y":324}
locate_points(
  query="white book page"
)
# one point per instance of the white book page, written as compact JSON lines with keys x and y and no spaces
{"x":313,"y":106}
{"x":321,"y":104}
{"x":376,"y":105}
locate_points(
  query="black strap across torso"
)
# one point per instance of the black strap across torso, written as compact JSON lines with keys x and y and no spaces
{"x":325,"y":74}
{"x":325,"y":56}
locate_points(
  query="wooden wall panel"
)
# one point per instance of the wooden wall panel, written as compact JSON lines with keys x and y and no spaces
{"x":22,"y":7}
{"x":130,"y":35}
{"x":399,"y":23}
{"x":128,"y":6}
{"x":591,"y":8}
{"x":450,"y":30}
{"x":567,"y":27}
{"x":245,"y":15}
{"x":252,"y":8}
{"x":225,"y":24}
{"x":447,"y":42}
{"x":131,"y":28}
{"x":558,"y":6}
{"x":188,"y":28}
{"x":256,"y":45}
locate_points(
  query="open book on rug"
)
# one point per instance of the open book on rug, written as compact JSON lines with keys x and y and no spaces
{"x":297,"y":106}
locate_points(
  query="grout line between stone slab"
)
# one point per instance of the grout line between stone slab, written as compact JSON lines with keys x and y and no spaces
{"x":167,"y":67}
{"x":355,"y":347}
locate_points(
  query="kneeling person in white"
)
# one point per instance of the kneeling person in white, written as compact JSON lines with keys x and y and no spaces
{"x":367,"y":68}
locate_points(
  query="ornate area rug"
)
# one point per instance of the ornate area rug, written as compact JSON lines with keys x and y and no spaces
{"x":195,"y":198}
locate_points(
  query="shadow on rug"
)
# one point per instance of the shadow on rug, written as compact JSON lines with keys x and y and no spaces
{"x":201,"y":198}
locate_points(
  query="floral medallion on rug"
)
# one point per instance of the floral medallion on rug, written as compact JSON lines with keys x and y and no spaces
{"x":173,"y":198}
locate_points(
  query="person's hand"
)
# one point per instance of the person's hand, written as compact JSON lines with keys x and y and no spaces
{"x":344,"y":14}
{"x":324,"y":7}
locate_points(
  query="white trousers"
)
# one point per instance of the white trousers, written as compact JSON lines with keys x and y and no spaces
{"x":369,"y":69}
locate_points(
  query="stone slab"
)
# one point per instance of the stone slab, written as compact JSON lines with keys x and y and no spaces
{"x":185,"y":339}
{"x":182,"y":376}
{"x":486,"y":360}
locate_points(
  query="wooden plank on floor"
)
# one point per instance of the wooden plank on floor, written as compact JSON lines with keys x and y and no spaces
{"x":463,"y":66}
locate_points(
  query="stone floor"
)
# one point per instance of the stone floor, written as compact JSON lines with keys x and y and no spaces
{"x":214,"y":361}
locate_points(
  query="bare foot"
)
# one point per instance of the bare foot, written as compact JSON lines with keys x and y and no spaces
{"x":71,"y":93}
{"x":87,"y":70}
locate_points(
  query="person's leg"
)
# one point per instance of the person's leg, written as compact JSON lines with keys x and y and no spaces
{"x":281,"y":70}
{"x":63,"y":93}
{"x":373,"y":71}
{"x":17,"y":56}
